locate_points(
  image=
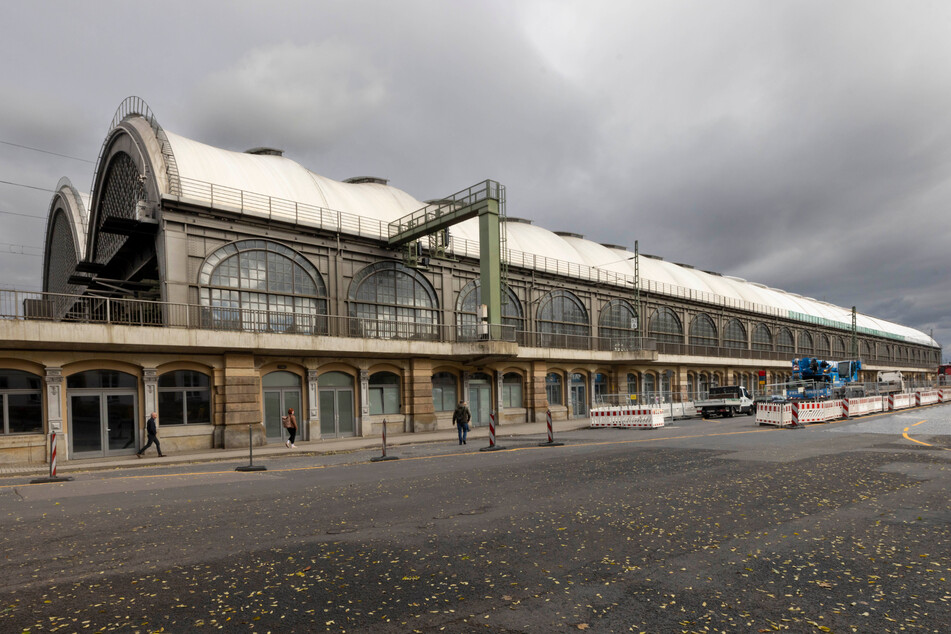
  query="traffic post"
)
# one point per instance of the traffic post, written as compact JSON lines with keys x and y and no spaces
{"x":250,"y":466}
{"x":492,"y":446}
{"x":551,"y":438}
{"x":384,"y":456}
{"x":52,"y":476}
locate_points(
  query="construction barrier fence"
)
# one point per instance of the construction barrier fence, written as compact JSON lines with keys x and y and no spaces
{"x":634,"y":417}
{"x":800,"y":412}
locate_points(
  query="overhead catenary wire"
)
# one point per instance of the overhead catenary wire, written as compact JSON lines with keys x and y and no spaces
{"x":35,"y":149}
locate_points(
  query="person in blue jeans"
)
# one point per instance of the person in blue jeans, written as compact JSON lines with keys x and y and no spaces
{"x":461,"y":418}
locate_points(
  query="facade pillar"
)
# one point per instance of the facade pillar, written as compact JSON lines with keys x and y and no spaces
{"x":419,"y":397}
{"x":54,"y":411}
{"x":537,"y":397}
{"x":313,"y":406}
{"x":150,"y":381}
{"x":238,"y":404}
{"x":364,"y":400}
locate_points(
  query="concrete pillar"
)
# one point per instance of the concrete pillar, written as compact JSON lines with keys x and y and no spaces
{"x":238,"y":404}
{"x":150,"y":381}
{"x":536,"y":398}
{"x":420,"y":413}
{"x":313,"y":406}
{"x":55,"y":395}
{"x":363,"y":398}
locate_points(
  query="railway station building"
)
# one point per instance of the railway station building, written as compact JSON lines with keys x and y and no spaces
{"x":219,"y":288}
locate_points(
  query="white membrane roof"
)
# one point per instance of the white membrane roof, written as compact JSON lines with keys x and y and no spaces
{"x":282,"y":178}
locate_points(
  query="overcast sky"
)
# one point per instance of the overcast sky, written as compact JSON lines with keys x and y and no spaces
{"x":803,"y":145}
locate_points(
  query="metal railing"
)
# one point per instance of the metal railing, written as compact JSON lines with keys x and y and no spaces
{"x":244,"y":202}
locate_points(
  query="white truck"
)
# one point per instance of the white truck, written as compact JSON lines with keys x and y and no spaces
{"x":726,"y":401}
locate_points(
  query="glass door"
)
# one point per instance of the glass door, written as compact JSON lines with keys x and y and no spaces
{"x":85,"y":425}
{"x":480,"y":402}
{"x":102,"y":424}
{"x":276,"y":404}
{"x":336,"y":412}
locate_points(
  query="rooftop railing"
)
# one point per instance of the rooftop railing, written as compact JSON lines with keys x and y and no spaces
{"x":244,"y":202}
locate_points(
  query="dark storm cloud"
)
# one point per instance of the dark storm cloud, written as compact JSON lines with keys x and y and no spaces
{"x":804,"y":145}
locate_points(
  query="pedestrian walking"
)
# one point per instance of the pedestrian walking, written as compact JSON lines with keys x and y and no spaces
{"x":151,"y":429}
{"x":461,"y":418}
{"x":290,"y":424}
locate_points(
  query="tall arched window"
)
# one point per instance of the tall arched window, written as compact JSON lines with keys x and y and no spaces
{"x":762,"y":340}
{"x":734,"y":335}
{"x":650,"y":388}
{"x":444,"y":391}
{"x":384,"y":393}
{"x":632,"y":384}
{"x":618,"y":325}
{"x":665,"y":326}
{"x":822,"y":349}
{"x":784,"y":341}
{"x":393,"y":301}
{"x":553,"y":388}
{"x":562,"y":321}
{"x":838,"y":347}
{"x":512,"y":390}
{"x":867,"y":350}
{"x":467,"y":309}
{"x":261,"y":285}
{"x":703,"y":332}
{"x":21,"y":402}
{"x":806,"y":348}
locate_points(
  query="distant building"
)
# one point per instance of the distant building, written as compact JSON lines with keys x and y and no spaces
{"x":220,"y":288}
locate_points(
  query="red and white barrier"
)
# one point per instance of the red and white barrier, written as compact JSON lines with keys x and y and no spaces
{"x":900,"y":401}
{"x":641,"y":417}
{"x":929,"y":397}
{"x":818,"y":411}
{"x":777,"y":414}
{"x":862,"y":405}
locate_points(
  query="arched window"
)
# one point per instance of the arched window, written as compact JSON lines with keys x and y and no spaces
{"x":838,"y":347}
{"x":21,"y":402}
{"x":511,"y":390}
{"x":618,"y":325}
{"x":393,"y":301}
{"x":553,"y":389}
{"x":444,"y":391}
{"x":260,"y":285}
{"x":650,"y":388}
{"x":823,"y":350}
{"x":600,"y":386}
{"x":691,"y":386}
{"x":563,"y":321}
{"x":467,"y":309}
{"x":784,"y":341}
{"x":867,"y":350}
{"x":806,"y":348}
{"x":384,"y":393}
{"x":762,"y":340}
{"x":703,"y":385}
{"x":703,"y":332}
{"x":184,"y":397}
{"x":664,"y":326}
{"x":632,"y":383}
{"x":734,"y":335}
{"x":122,"y":189}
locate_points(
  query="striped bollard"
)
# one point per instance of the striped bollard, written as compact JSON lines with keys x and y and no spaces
{"x":52,"y":476}
{"x":551,"y":437}
{"x":492,"y":446}
{"x":795,"y":414}
{"x":891,"y":402}
{"x":845,"y":408}
{"x":384,"y":456}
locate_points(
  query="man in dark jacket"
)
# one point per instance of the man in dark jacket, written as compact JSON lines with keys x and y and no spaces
{"x":461,"y":418}
{"x":152,"y":430}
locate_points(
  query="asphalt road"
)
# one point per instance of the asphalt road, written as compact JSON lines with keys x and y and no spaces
{"x":699,"y":527}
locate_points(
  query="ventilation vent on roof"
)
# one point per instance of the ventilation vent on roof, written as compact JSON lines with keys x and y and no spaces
{"x":714,"y":273}
{"x":686,"y":266}
{"x":265,"y":151}
{"x":653,"y":257}
{"x":568,"y":234}
{"x":356,"y":180}
{"x":734,"y":278}
{"x":524,"y":221}
{"x":613,"y":246}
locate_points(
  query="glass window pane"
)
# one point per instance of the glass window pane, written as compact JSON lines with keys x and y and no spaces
{"x":25,"y":413}
{"x":171,"y":407}
{"x":198,"y":406}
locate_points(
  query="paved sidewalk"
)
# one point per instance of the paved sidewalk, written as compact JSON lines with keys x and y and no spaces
{"x":478,"y":436}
